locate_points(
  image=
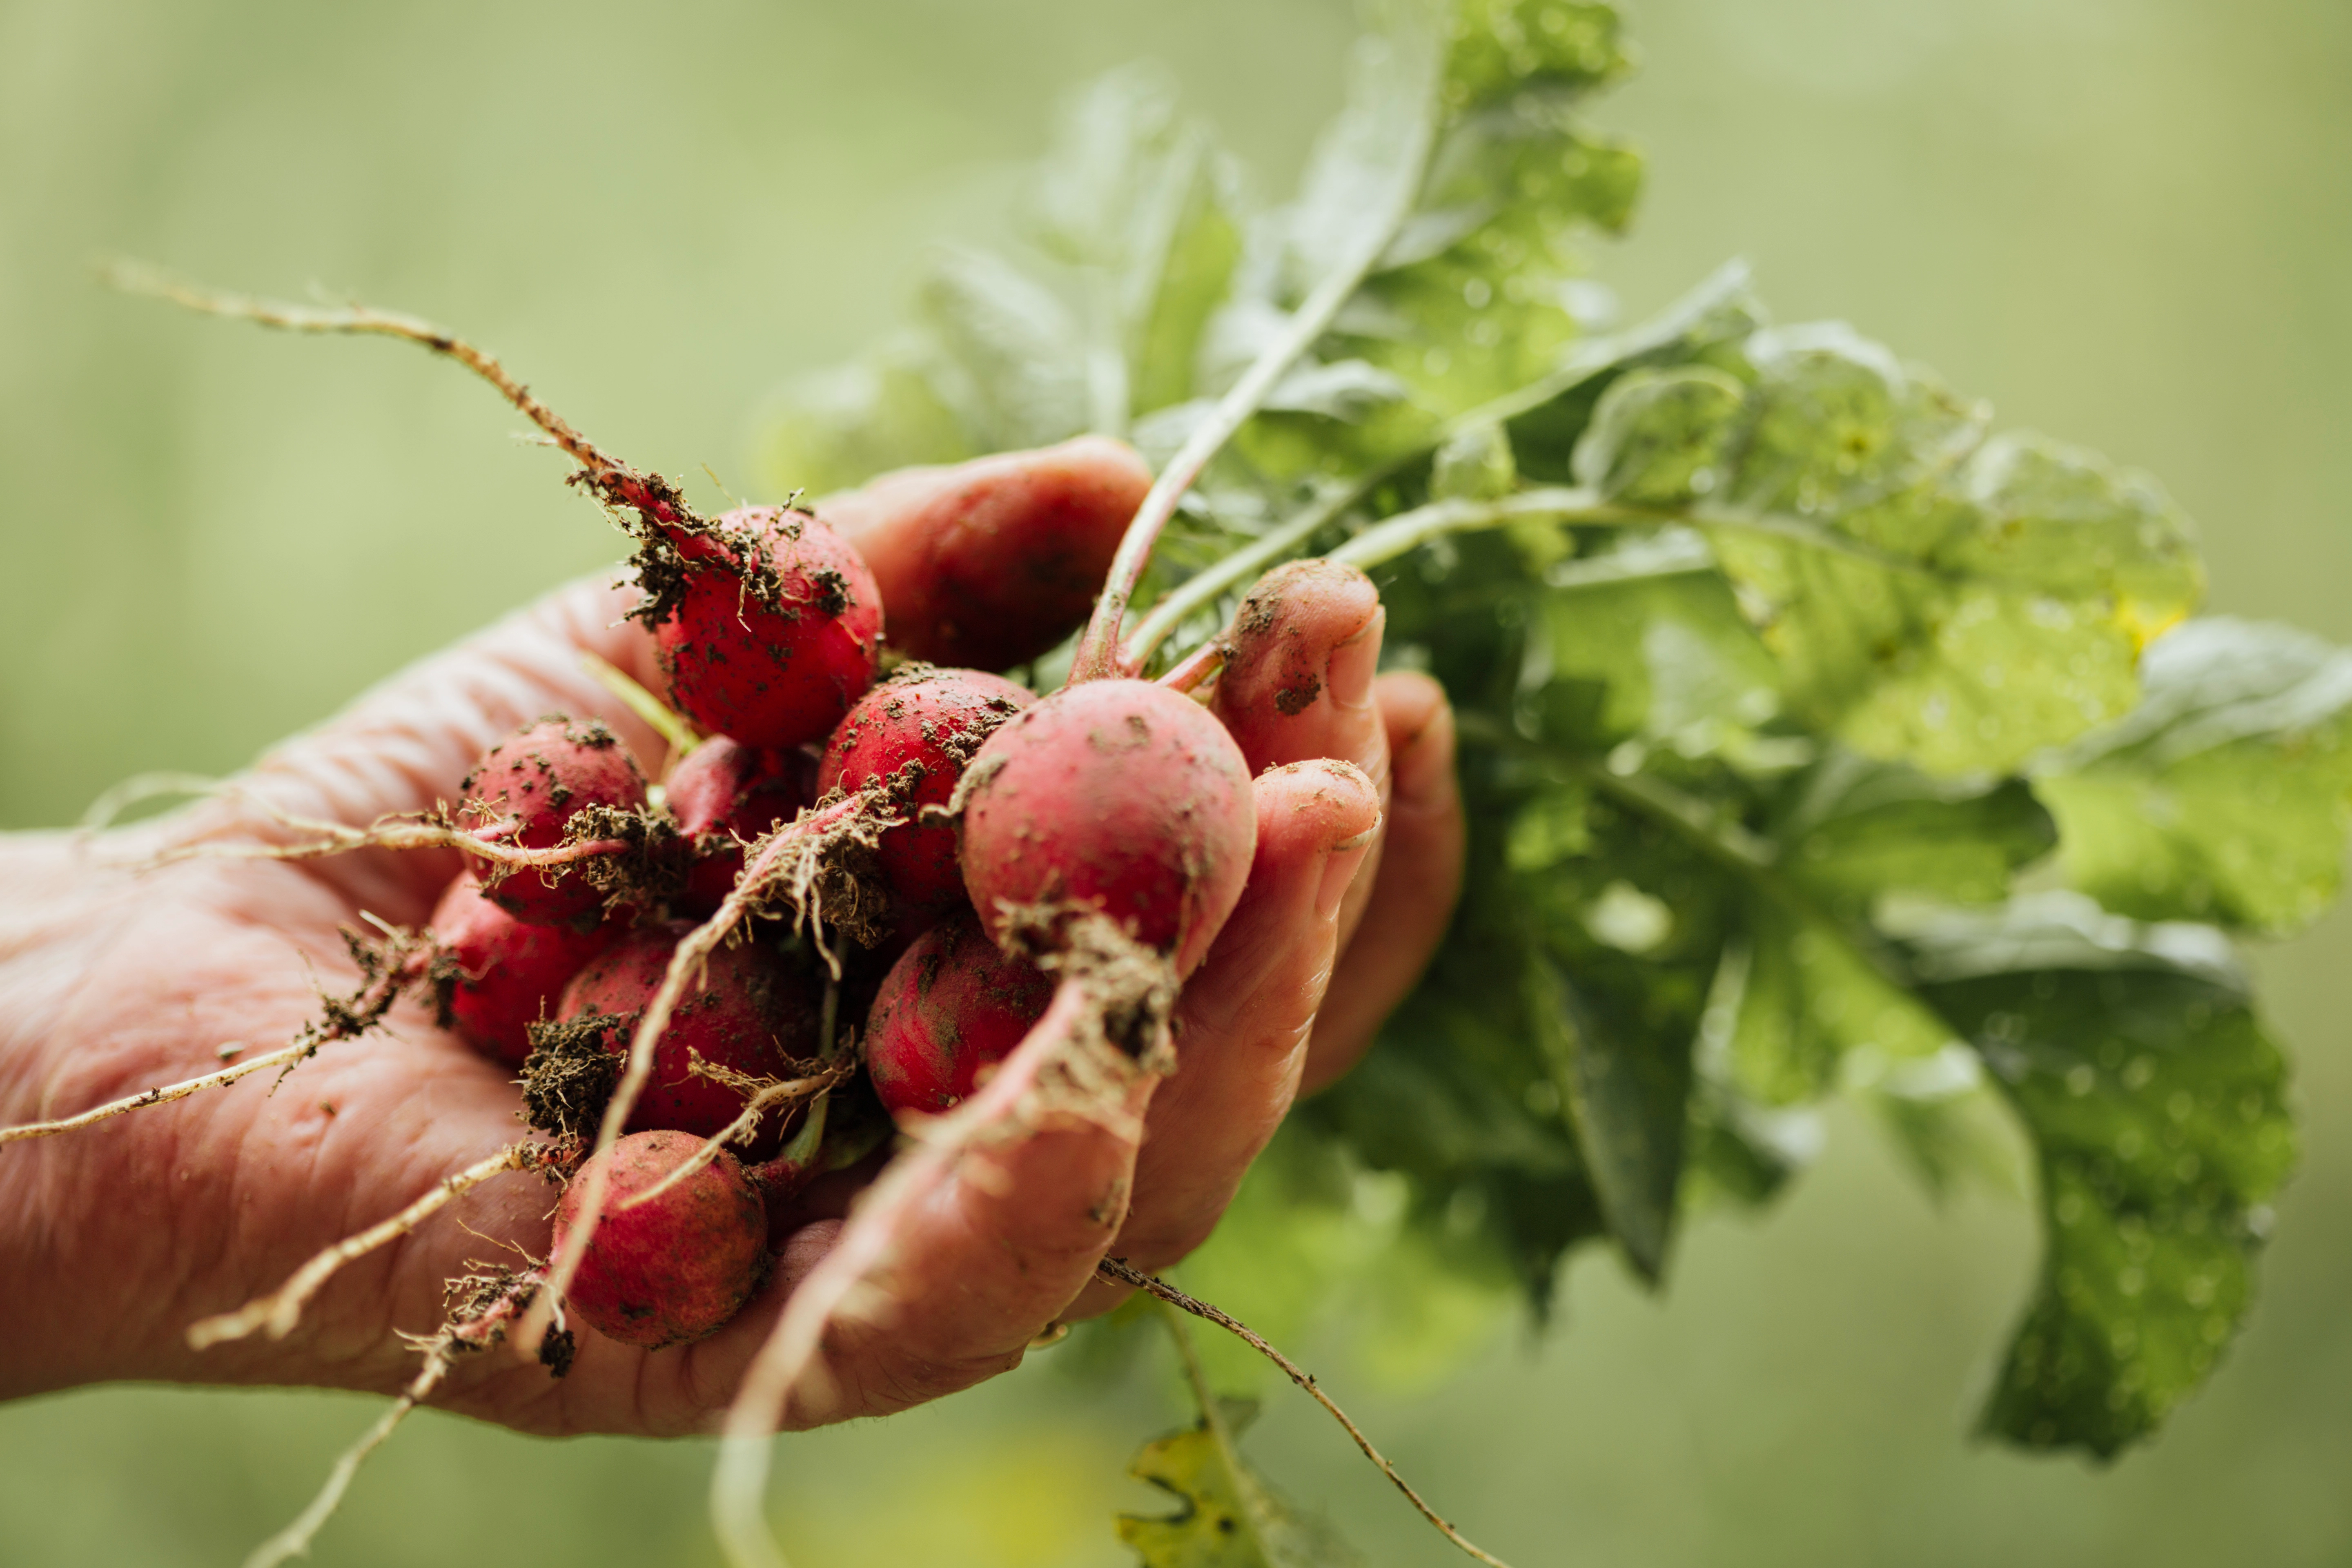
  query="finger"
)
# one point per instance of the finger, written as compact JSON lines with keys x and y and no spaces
{"x":982,"y":1250}
{"x":406,"y":746}
{"x":989,"y":563}
{"x":1297,"y":675}
{"x":1410,"y":901}
{"x":1297,"y":682}
{"x":1244,"y":1020}
{"x":197,"y":1207}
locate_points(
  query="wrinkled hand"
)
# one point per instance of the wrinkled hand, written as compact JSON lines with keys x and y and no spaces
{"x":115,"y":1238}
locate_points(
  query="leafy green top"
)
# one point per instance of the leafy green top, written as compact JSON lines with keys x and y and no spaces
{"x":1817,"y":738}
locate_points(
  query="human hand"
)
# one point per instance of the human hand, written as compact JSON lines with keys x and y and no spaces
{"x":115,"y":1238}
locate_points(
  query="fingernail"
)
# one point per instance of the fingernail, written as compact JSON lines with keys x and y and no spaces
{"x":1354,"y":663}
{"x":1339,"y":874}
{"x":1424,"y":767}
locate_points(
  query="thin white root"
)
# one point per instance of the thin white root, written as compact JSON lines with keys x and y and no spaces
{"x":361,"y":320}
{"x":384,"y":833}
{"x":294,"y":1540}
{"x":778,"y":868}
{"x":281,"y":1309}
{"x":286,"y":1056}
{"x":1118,"y":1272}
{"x":480,"y":1307}
{"x":139,"y":788}
{"x":386,"y":969}
{"x":1065,"y":1064}
{"x":789,"y":1092}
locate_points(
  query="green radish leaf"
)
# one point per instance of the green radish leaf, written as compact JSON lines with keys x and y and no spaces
{"x":1932,"y":596}
{"x":1811,"y":996}
{"x":1854,"y":831}
{"x":1629,"y":1107}
{"x":1227,"y":1515}
{"x":1771,"y":702}
{"x":1945,"y":1123}
{"x":2227,"y":794}
{"x":1649,"y":636}
{"x":2154,"y":1101}
{"x":1131,"y":234}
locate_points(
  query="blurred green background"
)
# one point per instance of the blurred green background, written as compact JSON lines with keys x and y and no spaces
{"x":2124,"y":221}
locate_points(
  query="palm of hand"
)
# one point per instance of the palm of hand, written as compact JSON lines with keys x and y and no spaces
{"x":113,"y":1239}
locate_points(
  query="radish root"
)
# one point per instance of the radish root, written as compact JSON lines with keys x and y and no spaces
{"x":1071,"y":1064}
{"x":282,"y":1309}
{"x":614,"y":482}
{"x":480,"y":1306}
{"x":387,"y":967}
{"x":802,"y":868}
{"x":786,"y":1092}
{"x":1116,"y":1270}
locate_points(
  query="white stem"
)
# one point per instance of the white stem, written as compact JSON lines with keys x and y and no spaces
{"x":1409,"y":530}
{"x":1098,"y":649}
{"x":1591,"y":358}
{"x":738,"y":1487}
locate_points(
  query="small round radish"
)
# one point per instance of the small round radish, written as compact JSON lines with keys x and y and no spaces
{"x":524,"y":792}
{"x":508,"y":973}
{"x":749,"y":1012}
{"x":951,"y":1006}
{"x":1116,"y":795}
{"x":673,"y":1269}
{"x":917,"y":733}
{"x":724,"y":796}
{"x":773,"y":657}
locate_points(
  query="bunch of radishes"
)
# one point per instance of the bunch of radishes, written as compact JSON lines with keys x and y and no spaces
{"x":984,"y":826}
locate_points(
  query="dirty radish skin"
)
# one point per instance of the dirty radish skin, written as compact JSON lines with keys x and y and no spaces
{"x":952,"y":1007}
{"x":916,"y":734}
{"x":508,"y":973}
{"x":752,"y":1013}
{"x":724,"y":796}
{"x":524,"y":793}
{"x":1114,"y":795}
{"x":771,"y":662}
{"x":675,"y":1269}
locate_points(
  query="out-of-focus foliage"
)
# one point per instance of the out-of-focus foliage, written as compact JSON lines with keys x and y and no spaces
{"x":2227,"y":793}
{"x":1227,"y":1515}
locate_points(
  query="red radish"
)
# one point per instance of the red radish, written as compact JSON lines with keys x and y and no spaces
{"x":724,"y":796}
{"x":508,"y":973}
{"x":776,"y":629}
{"x":525,"y":791}
{"x":916,"y":732}
{"x":751,"y":1014}
{"x":675,"y":1268}
{"x":1116,"y":795}
{"x":951,"y":1006}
